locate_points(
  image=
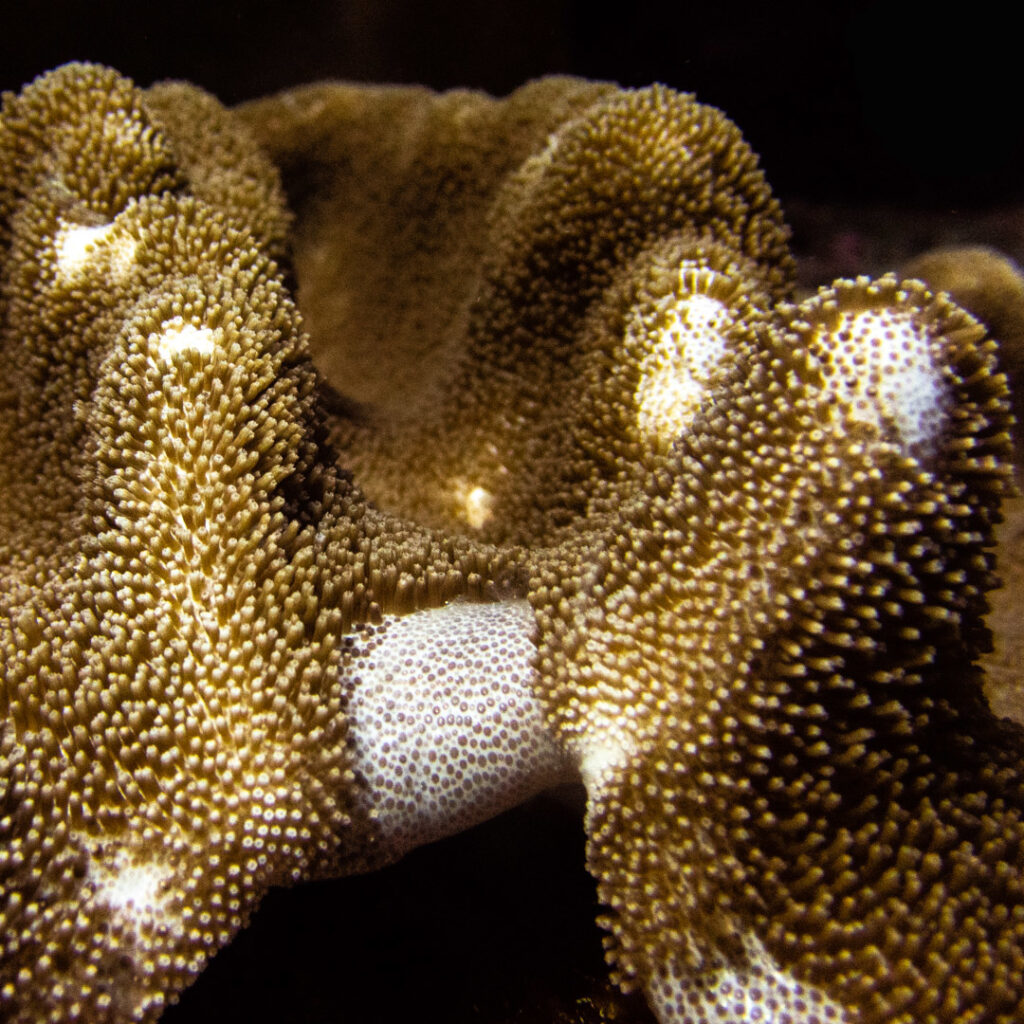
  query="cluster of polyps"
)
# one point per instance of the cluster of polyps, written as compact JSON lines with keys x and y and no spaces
{"x":273,"y":748}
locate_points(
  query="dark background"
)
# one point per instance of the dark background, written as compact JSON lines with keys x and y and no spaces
{"x":883,"y":101}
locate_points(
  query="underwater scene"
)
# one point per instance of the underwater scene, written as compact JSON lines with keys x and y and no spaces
{"x":510,"y":514}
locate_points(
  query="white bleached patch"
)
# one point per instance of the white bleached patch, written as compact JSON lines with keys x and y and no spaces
{"x":881,"y":368}
{"x":603,"y":753}
{"x":135,"y":890}
{"x":76,"y":246}
{"x":478,"y":506}
{"x":758,"y":990}
{"x":447,"y":728}
{"x":76,"y":243}
{"x":176,"y":337}
{"x":675,"y":368}
{"x":475,"y":504}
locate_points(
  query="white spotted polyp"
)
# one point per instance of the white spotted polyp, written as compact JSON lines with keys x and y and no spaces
{"x":448,"y":729}
{"x":681,"y":343}
{"x":884,"y":365}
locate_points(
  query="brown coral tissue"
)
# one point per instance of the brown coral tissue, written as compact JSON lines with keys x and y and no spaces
{"x":373,"y":459}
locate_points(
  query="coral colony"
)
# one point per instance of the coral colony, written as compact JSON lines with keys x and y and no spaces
{"x":559,"y":485}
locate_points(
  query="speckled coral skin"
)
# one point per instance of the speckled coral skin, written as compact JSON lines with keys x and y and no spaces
{"x":757,"y":602}
{"x":180,"y":555}
{"x":755,"y":541}
{"x":819,"y":630}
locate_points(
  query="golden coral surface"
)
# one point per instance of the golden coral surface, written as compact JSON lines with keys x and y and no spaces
{"x":180,"y":553}
{"x":551,"y":343}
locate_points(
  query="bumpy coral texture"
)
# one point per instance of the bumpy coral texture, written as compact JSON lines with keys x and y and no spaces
{"x":491,"y":230}
{"x":755,"y":542}
{"x":991,"y":287}
{"x":180,"y":554}
{"x":760,"y":534}
{"x":437,"y":745}
{"x":821,"y":612}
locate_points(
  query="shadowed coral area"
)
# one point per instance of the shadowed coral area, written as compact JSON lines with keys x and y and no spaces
{"x":991,"y":286}
{"x":562,"y":484}
{"x":424,"y":237}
